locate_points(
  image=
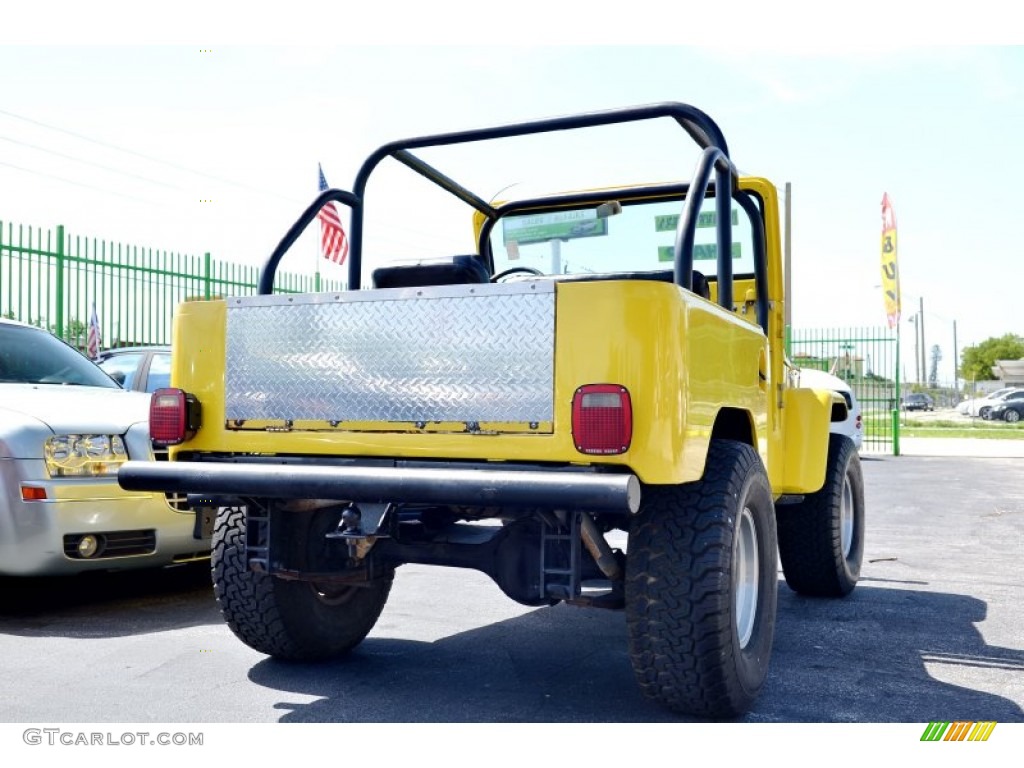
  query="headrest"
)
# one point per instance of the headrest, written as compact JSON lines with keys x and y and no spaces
{"x":456,"y":271}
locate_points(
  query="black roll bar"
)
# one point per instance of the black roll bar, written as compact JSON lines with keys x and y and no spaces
{"x":266,"y":281}
{"x":713,"y":159}
{"x":760,"y":257}
{"x":697,"y":124}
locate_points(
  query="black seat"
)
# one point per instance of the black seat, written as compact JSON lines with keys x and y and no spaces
{"x":458,"y":271}
{"x":701,"y":286}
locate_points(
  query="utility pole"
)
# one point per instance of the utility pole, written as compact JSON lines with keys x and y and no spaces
{"x":924,"y":367}
{"x":915,"y":319}
{"x":956,"y":366}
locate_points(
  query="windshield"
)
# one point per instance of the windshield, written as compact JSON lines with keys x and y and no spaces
{"x":34,"y":356}
{"x":636,"y":236}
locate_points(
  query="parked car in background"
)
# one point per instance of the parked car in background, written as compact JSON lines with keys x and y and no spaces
{"x":918,"y":401}
{"x":987,"y":407}
{"x":980,"y":406}
{"x":65,"y":429}
{"x":853,"y":427}
{"x":1008,"y":408}
{"x":143,"y":369}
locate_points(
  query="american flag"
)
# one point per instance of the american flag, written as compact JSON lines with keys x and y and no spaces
{"x":95,"y":338}
{"x":333,"y":243}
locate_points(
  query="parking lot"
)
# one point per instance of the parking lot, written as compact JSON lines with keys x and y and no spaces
{"x":949,"y":415}
{"x":933,"y":632}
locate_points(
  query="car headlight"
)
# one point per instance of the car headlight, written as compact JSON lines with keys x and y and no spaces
{"x":84,"y":455}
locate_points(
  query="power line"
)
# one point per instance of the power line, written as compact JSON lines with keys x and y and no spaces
{"x":87,"y":162}
{"x":78,"y":183}
{"x":420,"y":234}
{"x":144,"y":156}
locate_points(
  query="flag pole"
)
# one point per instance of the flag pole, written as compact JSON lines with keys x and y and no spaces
{"x":896,"y":408}
{"x":316,"y":244}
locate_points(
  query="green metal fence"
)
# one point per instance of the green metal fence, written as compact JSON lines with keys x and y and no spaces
{"x":51,"y":279}
{"x":867,"y":359}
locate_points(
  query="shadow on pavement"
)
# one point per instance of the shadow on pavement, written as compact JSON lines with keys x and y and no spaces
{"x":110,"y":604}
{"x":875,"y":657}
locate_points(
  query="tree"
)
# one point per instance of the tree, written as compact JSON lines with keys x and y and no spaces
{"x":75,"y":331}
{"x":978,"y":360}
{"x":933,"y":375}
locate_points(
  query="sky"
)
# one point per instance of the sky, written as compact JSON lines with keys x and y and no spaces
{"x":210,"y":142}
{"x":199,"y":128}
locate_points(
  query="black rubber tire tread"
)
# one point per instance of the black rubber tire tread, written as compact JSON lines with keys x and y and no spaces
{"x":683,"y":642}
{"x":810,"y":540}
{"x":283,"y":618}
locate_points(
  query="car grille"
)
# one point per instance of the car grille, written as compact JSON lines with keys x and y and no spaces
{"x":177,"y":501}
{"x":112,"y":544}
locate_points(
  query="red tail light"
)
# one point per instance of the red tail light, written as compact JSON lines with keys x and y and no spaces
{"x":173,"y":416}
{"x":602,"y":419}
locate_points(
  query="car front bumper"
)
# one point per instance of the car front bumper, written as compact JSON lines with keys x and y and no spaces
{"x":132,"y":530}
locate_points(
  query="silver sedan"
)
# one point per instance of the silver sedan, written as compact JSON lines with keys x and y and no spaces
{"x":65,"y":428}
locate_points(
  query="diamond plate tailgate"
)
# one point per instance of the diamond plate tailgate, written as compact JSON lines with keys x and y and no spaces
{"x":464,"y":354}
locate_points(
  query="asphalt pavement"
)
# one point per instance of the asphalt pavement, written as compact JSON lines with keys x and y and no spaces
{"x":966,"y":447}
{"x":933,"y":631}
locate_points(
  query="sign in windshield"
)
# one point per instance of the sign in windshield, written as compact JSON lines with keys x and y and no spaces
{"x":641,"y":237}
{"x":560,"y":225}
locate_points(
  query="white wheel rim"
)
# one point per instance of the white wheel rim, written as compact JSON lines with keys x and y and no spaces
{"x":846,"y":518}
{"x":747,"y":573}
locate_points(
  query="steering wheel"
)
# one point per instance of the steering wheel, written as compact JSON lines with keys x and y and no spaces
{"x":514,"y":270}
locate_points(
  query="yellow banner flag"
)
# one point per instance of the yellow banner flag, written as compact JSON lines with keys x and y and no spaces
{"x":890,"y":272}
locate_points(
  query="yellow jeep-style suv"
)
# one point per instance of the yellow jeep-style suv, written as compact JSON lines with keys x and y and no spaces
{"x":591,"y":362}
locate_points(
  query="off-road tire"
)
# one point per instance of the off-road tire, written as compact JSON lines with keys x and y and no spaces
{"x":821,"y":539}
{"x":287,"y":619}
{"x":690,"y":548}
